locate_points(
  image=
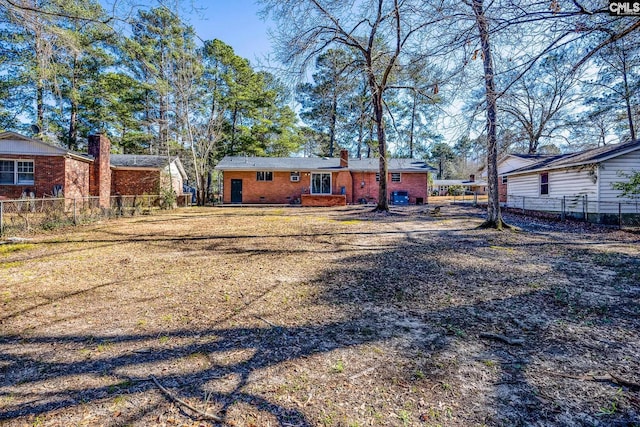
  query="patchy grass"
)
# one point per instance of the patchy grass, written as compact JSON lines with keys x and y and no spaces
{"x":321,"y":317}
{"x":8,"y":248}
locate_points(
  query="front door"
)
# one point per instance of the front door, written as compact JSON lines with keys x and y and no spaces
{"x":236,"y":191}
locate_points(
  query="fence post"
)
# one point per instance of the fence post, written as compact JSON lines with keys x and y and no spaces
{"x":584,"y":202}
{"x":1,"y":218}
{"x":620,"y":216}
{"x":563,"y":204}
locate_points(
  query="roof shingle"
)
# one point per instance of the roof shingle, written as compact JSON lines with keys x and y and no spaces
{"x":579,"y":158}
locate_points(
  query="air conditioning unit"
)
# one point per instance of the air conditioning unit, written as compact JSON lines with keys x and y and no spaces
{"x":295,"y":178}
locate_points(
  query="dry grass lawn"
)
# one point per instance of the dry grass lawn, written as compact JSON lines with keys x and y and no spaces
{"x":321,"y":317}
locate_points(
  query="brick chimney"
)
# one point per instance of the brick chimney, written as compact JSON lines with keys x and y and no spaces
{"x":344,"y":158}
{"x":100,"y":178}
{"x":472,"y":178}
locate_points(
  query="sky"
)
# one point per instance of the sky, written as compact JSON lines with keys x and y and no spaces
{"x":236,"y":23}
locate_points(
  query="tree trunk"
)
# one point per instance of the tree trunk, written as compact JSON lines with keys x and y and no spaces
{"x":332,"y":124}
{"x":494,"y":218}
{"x":360,"y":138}
{"x":383,"y":196}
{"x":73,"y":119}
{"x":413,"y":121}
{"x":234,"y":122}
{"x":627,"y":98}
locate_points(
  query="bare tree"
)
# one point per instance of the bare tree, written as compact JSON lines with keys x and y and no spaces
{"x":494,"y":217}
{"x":379,"y":31}
{"x":539,"y":101}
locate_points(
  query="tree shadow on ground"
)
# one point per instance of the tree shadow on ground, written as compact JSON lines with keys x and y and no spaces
{"x":429,"y":294}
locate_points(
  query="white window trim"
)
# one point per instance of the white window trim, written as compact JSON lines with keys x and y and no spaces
{"x":320,"y":173}
{"x":294,"y":176}
{"x":15,"y":171}
{"x":265,"y":176}
{"x":399,"y":176}
{"x":505,"y":179}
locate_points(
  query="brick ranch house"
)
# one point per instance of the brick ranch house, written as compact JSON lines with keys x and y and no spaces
{"x":318,"y":181}
{"x":32,"y":166}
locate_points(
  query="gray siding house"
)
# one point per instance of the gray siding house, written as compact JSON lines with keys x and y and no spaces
{"x":581,"y":181}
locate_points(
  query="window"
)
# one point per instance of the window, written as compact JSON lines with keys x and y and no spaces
{"x":544,"y":184}
{"x":14,"y":172}
{"x":395,"y":177}
{"x":7,"y":172}
{"x":320,"y":183}
{"x":377,"y":176}
{"x":504,"y":179}
{"x":295,"y":176}
{"x":264,"y":176}
{"x":25,"y":172}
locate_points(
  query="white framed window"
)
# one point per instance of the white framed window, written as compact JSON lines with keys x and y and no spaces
{"x":395,"y":177}
{"x":25,"y":172}
{"x":295,"y":177}
{"x":264,"y":176}
{"x":16,"y":172}
{"x":504,"y":179}
{"x":377,"y":176}
{"x":320,"y":183}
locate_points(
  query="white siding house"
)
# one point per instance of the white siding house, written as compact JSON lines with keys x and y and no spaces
{"x":508,"y":163}
{"x":576,"y":182}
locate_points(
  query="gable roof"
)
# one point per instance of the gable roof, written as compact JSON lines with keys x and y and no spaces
{"x":16,"y":144}
{"x":285,"y":164}
{"x":459,"y":182}
{"x":145,"y":161}
{"x":580,"y":158}
{"x":394,"y":165}
{"x":140,"y":161}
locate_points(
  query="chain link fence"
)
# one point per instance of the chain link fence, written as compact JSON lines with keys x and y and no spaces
{"x":624,"y":214}
{"x":31,"y":214}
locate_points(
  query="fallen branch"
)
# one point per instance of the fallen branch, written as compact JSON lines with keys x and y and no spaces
{"x":600,"y":378}
{"x":204,"y":415}
{"x":502,"y":338}
{"x":266,"y":321}
{"x":359,"y":374}
{"x":623,"y":382}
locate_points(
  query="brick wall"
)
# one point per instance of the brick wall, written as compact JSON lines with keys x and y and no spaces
{"x":99,"y":147}
{"x":366,"y":187}
{"x":502,"y":190}
{"x":281,"y":190}
{"x":76,"y":174}
{"x":323,"y":201}
{"x":343,"y":179}
{"x":130,"y":182}
{"x":48,"y":171}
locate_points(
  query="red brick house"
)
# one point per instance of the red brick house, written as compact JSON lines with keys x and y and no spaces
{"x":319,"y":181}
{"x":31,"y":166}
{"x":134,"y":174}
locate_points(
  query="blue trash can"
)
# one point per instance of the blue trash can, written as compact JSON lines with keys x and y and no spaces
{"x":400,"y":198}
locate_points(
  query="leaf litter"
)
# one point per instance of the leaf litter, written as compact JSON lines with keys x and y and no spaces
{"x":321,"y":317}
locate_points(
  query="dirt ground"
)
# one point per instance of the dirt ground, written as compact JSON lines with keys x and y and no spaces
{"x":321,"y":317}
